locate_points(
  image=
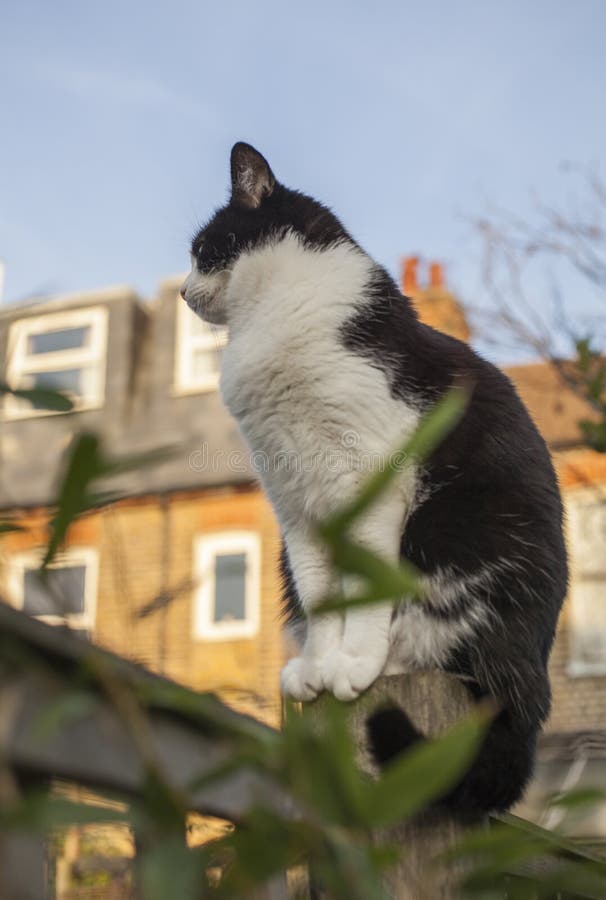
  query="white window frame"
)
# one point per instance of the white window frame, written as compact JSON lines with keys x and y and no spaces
{"x":18,"y":563}
{"x":206,"y":549}
{"x":187,"y":343}
{"x":93,"y":356}
{"x":586,"y":564}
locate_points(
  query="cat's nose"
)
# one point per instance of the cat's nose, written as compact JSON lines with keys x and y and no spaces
{"x":182,"y":292}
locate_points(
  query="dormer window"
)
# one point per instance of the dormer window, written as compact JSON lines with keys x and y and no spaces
{"x":198,"y":352}
{"x":63,"y":351}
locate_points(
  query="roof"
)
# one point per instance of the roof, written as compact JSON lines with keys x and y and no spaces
{"x":555,"y":408}
{"x":35,"y":306}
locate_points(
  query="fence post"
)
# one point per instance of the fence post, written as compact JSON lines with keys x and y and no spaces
{"x":434,"y":701}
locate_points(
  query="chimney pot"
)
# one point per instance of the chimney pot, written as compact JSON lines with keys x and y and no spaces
{"x":436,"y":275}
{"x":410,"y":284}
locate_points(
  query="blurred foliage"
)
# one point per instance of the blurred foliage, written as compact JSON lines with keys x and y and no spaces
{"x":591,"y":368}
{"x":330,"y":807}
{"x":42,"y":398}
{"x":86,"y":466}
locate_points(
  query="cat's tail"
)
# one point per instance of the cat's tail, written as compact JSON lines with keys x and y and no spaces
{"x":498,"y":775}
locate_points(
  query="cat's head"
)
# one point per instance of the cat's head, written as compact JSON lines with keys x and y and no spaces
{"x":260,"y":209}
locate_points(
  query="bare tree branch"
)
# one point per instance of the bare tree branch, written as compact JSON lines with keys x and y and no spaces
{"x":511,"y":249}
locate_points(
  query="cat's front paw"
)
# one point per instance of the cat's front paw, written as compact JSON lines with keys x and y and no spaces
{"x":347,"y":676}
{"x":301,"y":679}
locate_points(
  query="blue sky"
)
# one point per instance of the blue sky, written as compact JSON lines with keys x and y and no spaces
{"x":406,"y":117}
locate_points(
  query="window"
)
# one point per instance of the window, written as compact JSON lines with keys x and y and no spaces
{"x":587,"y":546}
{"x":198,"y":352}
{"x":227,"y":573}
{"x":63,"y":351}
{"x":68,"y":597}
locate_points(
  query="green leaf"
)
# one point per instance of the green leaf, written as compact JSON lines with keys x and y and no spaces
{"x":170,"y":870}
{"x":220,"y":772}
{"x":538,"y":877}
{"x":86,"y":464}
{"x":209,"y":714}
{"x":425,"y":772}
{"x":496,"y":851}
{"x":384,"y":581}
{"x":41,"y":811}
{"x":6,"y":527}
{"x":43,"y":398}
{"x":319,"y":763}
{"x":263,"y":845}
{"x":513,"y":846}
{"x":69,"y":706}
{"x":350,"y":869}
{"x":380,"y":579}
{"x":579,"y":798}
{"x":432,"y":429}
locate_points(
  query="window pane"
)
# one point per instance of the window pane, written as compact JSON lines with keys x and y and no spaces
{"x":230,"y":586}
{"x":206,"y":362}
{"x":62,"y":339}
{"x":62,"y":595}
{"x":60,"y":380}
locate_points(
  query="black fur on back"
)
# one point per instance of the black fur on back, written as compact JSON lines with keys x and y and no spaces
{"x":490,"y":494}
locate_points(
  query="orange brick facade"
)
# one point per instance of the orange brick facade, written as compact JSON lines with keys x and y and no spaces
{"x":146,"y":550}
{"x":579,"y":703}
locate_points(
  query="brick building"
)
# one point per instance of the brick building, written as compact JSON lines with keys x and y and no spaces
{"x":182,"y":575}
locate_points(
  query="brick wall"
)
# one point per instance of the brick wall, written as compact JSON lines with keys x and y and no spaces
{"x":146,"y":547}
{"x":579,"y":703}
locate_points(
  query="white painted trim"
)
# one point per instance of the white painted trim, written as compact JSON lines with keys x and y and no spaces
{"x":17,"y":563}
{"x":186,"y":344}
{"x":586,"y":539}
{"x":92,"y":357}
{"x":206,"y":549}
{"x":576,"y":668}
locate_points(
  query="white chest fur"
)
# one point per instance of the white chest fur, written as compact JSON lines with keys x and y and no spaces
{"x":317,"y":417}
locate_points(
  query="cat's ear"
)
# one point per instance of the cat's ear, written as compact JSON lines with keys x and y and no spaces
{"x":251,"y":178}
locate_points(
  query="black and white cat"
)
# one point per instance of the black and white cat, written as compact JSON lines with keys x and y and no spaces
{"x":322,"y":346}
